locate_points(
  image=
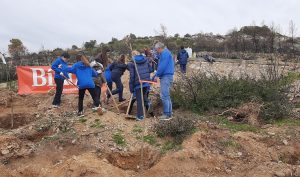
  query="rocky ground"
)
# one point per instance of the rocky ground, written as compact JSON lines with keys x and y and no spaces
{"x":37,"y":141}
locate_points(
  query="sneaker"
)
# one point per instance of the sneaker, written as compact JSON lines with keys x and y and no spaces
{"x":80,"y":114}
{"x":95,"y":108}
{"x":139,"y":118}
{"x":55,"y":106}
{"x":165,"y":118}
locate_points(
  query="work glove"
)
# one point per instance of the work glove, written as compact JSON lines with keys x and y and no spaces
{"x":99,"y":71}
{"x":61,"y":73}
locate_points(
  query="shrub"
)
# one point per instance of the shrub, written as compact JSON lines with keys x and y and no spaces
{"x":178,"y":128}
{"x":202,"y":93}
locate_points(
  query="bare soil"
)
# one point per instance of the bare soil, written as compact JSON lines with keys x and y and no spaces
{"x":37,"y":141}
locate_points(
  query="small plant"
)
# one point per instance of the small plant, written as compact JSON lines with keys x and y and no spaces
{"x":97,"y":124}
{"x":119,"y":139}
{"x":229,"y":143}
{"x":150,"y":139}
{"x":137,"y":129}
{"x":170,"y":145}
{"x":82,"y":120}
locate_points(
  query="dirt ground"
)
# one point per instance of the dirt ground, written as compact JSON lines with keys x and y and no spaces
{"x":37,"y":141}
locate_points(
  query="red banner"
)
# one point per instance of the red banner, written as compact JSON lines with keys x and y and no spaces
{"x":40,"y":79}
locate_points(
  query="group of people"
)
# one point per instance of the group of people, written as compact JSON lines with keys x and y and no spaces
{"x":92,"y":75}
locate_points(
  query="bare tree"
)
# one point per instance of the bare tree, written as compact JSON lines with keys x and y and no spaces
{"x":162,"y":34}
{"x":292,"y":34}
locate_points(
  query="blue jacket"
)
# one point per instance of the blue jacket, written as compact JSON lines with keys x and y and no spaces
{"x":59,"y":65}
{"x":84,"y":75}
{"x":107,"y":74}
{"x":166,"y":64}
{"x":182,"y":57}
{"x":144,"y":69}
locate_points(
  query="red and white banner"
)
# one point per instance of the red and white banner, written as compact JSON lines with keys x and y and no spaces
{"x":40,"y":79}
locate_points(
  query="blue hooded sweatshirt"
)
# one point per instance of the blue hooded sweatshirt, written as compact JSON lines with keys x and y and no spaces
{"x":182,"y":57}
{"x":59,"y":65}
{"x":166,"y":64}
{"x":144,"y":69}
{"x":107,"y":74}
{"x":84,"y":75}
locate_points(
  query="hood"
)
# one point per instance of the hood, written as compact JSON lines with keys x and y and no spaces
{"x":81,"y":65}
{"x":139,"y":59}
{"x":183,"y":51}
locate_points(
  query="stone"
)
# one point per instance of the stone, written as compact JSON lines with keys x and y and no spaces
{"x":285,"y":142}
{"x":5,"y":151}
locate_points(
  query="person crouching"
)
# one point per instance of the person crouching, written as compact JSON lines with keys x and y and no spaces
{"x":84,"y":73}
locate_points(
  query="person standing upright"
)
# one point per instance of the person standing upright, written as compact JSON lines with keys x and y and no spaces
{"x":59,"y":65}
{"x":182,"y":58}
{"x":165,"y":72}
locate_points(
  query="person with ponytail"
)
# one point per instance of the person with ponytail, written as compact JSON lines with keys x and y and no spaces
{"x":84,"y":73}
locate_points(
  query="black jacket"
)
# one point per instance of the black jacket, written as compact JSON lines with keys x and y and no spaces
{"x":117,"y":69}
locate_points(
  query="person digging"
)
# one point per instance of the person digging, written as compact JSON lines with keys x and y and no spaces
{"x":144,"y":69}
{"x":59,"y":65}
{"x":84,"y":73}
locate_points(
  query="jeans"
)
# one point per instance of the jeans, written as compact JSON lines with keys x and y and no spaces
{"x":81,"y":97}
{"x":59,"y":89}
{"x":183,"y":68}
{"x":165,"y":84}
{"x":98,"y":93}
{"x":119,"y":85}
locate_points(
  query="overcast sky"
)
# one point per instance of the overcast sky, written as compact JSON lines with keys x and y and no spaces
{"x":61,"y":23}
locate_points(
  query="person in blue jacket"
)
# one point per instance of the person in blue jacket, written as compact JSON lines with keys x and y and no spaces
{"x":165,"y":72}
{"x":84,"y":73}
{"x":117,"y":69}
{"x":59,"y":65}
{"x":182,"y":58}
{"x":144,"y":69}
{"x":107,"y":74}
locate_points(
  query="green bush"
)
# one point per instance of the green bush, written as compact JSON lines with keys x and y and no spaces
{"x":178,"y":128}
{"x":202,"y":93}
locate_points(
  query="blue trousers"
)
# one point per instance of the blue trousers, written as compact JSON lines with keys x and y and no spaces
{"x":183,"y":68}
{"x":165,"y":84}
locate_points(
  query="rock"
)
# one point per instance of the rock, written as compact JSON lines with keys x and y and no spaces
{"x":218,"y":168}
{"x":271,"y":133}
{"x":73,"y":141}
{"x":266,"y":126}
{"x":297,"y":171}
{"x":285,"y":142}
{"x":283,"y":173}
{"x":239,"y":154}
{"x":279,"y":174}
{"x":5,"y":151}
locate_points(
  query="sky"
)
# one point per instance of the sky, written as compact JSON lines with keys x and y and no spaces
{"x":62,"y":23}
